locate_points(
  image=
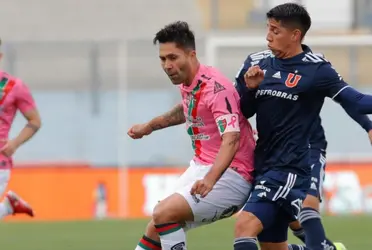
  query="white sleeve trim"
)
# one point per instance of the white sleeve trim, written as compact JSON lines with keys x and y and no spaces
{"x":333,"y":97}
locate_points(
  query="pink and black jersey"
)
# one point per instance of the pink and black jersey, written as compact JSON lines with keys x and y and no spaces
{"x":211,"y":107}
{"x":14,"y":95}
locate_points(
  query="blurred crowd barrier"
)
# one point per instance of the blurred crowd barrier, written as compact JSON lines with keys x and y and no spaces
{"x":78,"y":192}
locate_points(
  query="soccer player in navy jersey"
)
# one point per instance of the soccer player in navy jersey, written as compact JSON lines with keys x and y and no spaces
{"x":285,"y":88}
{"x":311,"y":204}
{"x":318,"y":146}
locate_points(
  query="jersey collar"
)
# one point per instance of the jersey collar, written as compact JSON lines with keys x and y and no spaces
{"x":195,"y":82}
{"x":305,"y":48}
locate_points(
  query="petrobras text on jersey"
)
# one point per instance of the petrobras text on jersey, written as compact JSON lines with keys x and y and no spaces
{"x":277,"y":93}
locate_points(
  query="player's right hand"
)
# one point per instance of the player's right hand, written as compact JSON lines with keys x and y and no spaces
{"x":253,"y":77}
{"x":139,"y":130}
{"x":9,"y":148}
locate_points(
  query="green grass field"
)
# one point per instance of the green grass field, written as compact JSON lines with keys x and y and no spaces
{"x":355,"y":232}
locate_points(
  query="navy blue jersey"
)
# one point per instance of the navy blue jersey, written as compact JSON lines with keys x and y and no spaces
{"x":286,"y":104}
{"x":317,"y":137}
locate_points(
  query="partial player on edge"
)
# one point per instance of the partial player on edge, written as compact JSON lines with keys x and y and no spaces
{"x":15,"y":95}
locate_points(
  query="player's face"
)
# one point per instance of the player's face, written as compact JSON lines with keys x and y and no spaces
{"x":176,"y":62}
{"x":281,"y":39}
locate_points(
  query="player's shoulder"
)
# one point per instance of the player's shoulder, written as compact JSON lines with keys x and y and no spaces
{"x":315,"y":58}
{"x":319,"y":63}
{"x":216,"y":84}
{"x":7,"y":78}
{"x":259,"y":57}
{"x":256,"y":58}
{"x":215,"y":79}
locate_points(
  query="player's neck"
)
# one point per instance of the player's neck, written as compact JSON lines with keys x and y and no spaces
{"x":293,"y":52}
{"x":194,"y":70}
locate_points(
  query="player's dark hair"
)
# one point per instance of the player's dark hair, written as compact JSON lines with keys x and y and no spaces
{"x":292,"y":15}
{"x":178,"y":33}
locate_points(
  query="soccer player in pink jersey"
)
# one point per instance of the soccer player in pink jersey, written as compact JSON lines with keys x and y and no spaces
{"x":14,"y":95}
{"x":218,"y":180}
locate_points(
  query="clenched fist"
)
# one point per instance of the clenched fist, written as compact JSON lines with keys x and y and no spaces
{"x":253,"y":77}
{"x":139,"y":130}
{"x":202,"y":187}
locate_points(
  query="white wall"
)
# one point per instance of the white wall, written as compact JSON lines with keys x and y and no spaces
{"x":325,"y":14}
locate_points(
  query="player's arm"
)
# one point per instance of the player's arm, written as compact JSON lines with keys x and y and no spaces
{"x":359,"y":101}
{"x":33,"y":125}
{"x":26,"y":104}
{"x":247,"y":96}
{"x":346,"y":96}
{"x":229,"y":146}
{"x":224,"y":106}
{"x":329,"y":81}
{"x":173,"y":117}
{"x":361,"y":119}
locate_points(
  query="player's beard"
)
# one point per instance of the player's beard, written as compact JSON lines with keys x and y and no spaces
{"x":183,"y":75}
{"x":176,"y":79}
{"x":188,"y":73}
{"x":174,"y":76}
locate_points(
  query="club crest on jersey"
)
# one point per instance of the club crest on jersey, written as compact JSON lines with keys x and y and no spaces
{"x":222,"y":124}
{"x":228,"y":123}
{"x":292,"y":80}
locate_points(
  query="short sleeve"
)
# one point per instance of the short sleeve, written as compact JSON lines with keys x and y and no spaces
{"x":223,"y":103}
{"x":328,"y":81}
{"x":24,"y":100}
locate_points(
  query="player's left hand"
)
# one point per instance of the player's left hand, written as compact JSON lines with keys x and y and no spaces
{"x":370,"y":135}
{"x":202,"y":187}
{"x":9,"y":148}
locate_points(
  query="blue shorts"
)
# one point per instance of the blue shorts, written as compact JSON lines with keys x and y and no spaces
{"x":318,"y":163}
{"x":276,"y":201}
